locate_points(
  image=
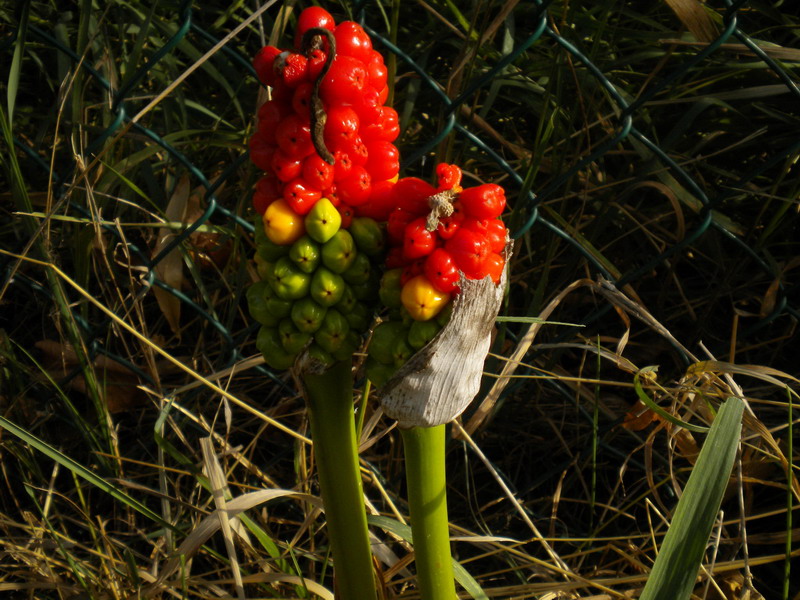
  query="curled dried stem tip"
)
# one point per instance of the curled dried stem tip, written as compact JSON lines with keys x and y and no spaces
{"x":441,"y":205}
{"x":312,"y":40}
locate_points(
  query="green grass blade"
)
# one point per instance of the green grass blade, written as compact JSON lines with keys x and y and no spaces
{"x":462,"y":576}
{"x":16,"y":61}
{"x":81,"y":471}
{"x":675,"y":570}
{"x":650,"y":403}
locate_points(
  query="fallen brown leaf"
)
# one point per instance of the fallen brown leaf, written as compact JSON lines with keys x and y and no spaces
{"x":118,"y":384}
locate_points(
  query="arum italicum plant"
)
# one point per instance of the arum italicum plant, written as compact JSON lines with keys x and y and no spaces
{"x":324,"y":141}
{"x":323,"y":138}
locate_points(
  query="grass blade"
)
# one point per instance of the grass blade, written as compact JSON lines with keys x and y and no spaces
{"x":16,"y":61}
{"x":81,"y":471}
{"x":403,"y":531}
{"x":675,"y":570}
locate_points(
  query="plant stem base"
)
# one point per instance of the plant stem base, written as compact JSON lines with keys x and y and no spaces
{"x":427,"y":499}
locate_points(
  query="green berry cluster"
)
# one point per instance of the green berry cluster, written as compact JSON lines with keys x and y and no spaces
{"x":316,"y":292}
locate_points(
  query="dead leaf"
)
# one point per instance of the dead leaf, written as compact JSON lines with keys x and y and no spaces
{"x":209,"y":249}
{"x":437,"y":384}
{"x":639,"y":417}
{"x":118,"y":384}
{"x":169,"y":268}
{"x":693,"y":15}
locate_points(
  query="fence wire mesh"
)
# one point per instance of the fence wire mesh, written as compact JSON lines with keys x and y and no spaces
{"x":629,"y":126}
{"x":666,"y":167}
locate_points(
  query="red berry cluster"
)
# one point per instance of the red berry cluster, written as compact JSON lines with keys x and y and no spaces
{"x":358,"y":131}
{"x":471,"y":239}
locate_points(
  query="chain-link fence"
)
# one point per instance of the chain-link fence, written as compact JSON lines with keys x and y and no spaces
{"x":660,"y":159}
{"x":625,"y":131}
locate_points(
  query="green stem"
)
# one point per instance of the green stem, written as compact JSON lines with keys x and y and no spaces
{"x":427,"y":499}
{"x":330,"y":406}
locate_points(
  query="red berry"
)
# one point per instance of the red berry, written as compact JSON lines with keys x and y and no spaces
{"x":411,"y":270}
{"x":341,"y":125}
{"x":380,"y":201}
{"x":293,"y":135}
{"x":346,"y":213}
{"x":448,"y":176}
{"x":383,"y":161}
{"x":485,"y":201}
{"x":383,"y":94}
{"x":345,"y":80}
{"x":332,"y":194}
{"x":496,"y":235}
{"x":355,"y":189}
{"x":294,"y":69}
{"x":417,"y":240}
{"x":261,"y":152}
{"x":342,"y":165}
{"x":479,"y":226}
{"x":268,"y":189}
{"x":495,"y":264}
{"x":311,"y":17}
{"x":282,"y":94}
{"x":449,"y":225}
{"x":301,"y":99}
{"x":411,"y":194}
{"x":261,"y":202}
{"x":469,"y":251}
{"x":316,"y":62}
{"x":263,"y":64}
{"x":386,"y":127}
{"x":317,"y":173}
{"x":286,"y":168}
{"x":352,"y":40}
{"x":377,"y":71}
{"x":269,"y":115}
{"x":441,"y":271}
{"x":356,"y":150}
{"x":270,"y":186}
{"x":396,"y":224}
{"x":299,"y":196}
{"x":368,"y":105}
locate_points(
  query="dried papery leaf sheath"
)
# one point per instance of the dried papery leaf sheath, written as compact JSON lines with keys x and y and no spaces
{"x":438,"y":382}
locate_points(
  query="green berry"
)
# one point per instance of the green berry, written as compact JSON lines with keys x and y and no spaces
{"x":390,"y":288}
{"x":422,"y":332}
{"x":305,"y":253}
{"x":359,"y":270}
{"x":377,"y":372}
{"x":257,"y":295}
{"x":368,"y":235}
{"x":327,"y":288}
{"x":269,"y":344}
{"x":323,"y":221}
{"x":401,"y":352}
{"x":288,"y":281}
{"x":317,"y":352}
{"x":339,"y":252}
{"x":359,"y":316}
{"x":347,"y":301}
{"x":292,"y":339}
{"x":308,"y":315}
{"x":333,"y":331}
{"x":381,"y":346}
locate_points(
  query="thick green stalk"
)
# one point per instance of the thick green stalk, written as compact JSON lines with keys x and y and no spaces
{"x":330,"y":406}
{"x":427,"y":499}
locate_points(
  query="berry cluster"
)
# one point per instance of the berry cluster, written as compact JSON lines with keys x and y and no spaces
{"x":324,"y":140}
{"x":338,"y":74}
{"x":433,"y":233}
